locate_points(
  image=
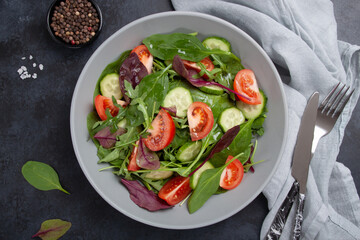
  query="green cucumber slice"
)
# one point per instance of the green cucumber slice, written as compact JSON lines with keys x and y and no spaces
{"x":188,"y":151}
{"x":216,"y":90}
{"x":230,"y":117}
{"x":217,"y":43}
{"x":157,"y":175}
{"x":110,"y":86}
{"x":180,"y":98}
{"x":252,"y":111}
{"x":194,"y":179}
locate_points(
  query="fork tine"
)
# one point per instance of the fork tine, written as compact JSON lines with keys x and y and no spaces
{"x":338,"y":100}
{"x":328,"y":97}
{"x":342,"y":106}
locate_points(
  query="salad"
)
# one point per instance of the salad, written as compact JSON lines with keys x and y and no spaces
{"x":177,"y":119}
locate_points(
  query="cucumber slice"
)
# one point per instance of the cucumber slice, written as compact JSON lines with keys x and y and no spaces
{"x":122,"y":123}
{"x":252,"y":111}
{"x":194,"y":179}
{"x":217,"y":43}
{"x":188,"y":151}
{"x":216,"y":90}
{"x":230,"y":117}
{"x":110,"y":86}
{"x":180,"y":98}
{"x":157,"y":175}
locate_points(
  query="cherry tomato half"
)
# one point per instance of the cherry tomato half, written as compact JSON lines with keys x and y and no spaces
{"x":162,"y":132}
{"x":102,"y":103}
{"x":144,"y":56}
{"x":206,"y":61}
{"x":175,"y":190}
{"x":201,"y":120}
{"x":245,"y":83}
{"x":232,"y":175}
{"x":132,"y":159}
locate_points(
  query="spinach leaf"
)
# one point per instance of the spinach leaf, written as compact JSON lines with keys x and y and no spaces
{"x":207,"y":186}
{"x":41,"y":176}
{"x":189,"y":47}
{"x":240,"y":144}
{"x":52,"y":229}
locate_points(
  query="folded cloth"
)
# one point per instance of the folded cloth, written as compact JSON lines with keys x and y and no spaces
{"x":301,"y":39}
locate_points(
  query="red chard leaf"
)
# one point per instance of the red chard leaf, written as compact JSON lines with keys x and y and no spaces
{"x":143,"y":197}
{"x":223,"y":143}
{"x":108,"y":139}
{"x":188,"y":74}
{"x":133,"y":71}
{"x":52,"y":229}
{"x":146,"y":158}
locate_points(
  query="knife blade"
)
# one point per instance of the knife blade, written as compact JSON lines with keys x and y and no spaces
{"x":300,"y":167}
{"x":302,"y":157}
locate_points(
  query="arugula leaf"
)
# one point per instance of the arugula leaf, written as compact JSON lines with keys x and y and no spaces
{"x":189,"y":47}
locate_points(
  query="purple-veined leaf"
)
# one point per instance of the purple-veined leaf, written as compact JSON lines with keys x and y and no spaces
{"x":106,"y":138}
{"x":223,"y":143}
{"x":52,"y":229}
{"x":132,"y":70}
{"x":144,"y":197}
{"x":146,"y":158}
{"x":171,"y":110}
{"x":188,"y":74}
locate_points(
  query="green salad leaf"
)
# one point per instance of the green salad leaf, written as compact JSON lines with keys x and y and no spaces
{"x":41,"y":176}
{"x":52,"y":229}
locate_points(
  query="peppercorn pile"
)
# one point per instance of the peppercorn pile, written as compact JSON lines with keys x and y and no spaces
{"x":75,"y":21}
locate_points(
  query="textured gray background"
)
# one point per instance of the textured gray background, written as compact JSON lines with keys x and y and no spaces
{"x":35,"y":126}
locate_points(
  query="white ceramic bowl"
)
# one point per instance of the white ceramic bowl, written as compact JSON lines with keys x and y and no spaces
{"x":270,"y":145}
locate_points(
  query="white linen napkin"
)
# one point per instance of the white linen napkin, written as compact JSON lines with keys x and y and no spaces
{"x":301,"y":39}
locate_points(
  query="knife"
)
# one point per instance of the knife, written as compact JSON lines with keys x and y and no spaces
{"x":300,"y":168}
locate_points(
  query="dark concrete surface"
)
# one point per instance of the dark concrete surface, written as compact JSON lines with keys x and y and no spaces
{"x":35,"y":126}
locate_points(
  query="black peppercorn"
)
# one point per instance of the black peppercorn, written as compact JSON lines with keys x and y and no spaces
{"x":75,"y":21}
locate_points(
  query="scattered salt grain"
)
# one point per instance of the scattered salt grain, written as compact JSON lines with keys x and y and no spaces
{"x":23,"y":71}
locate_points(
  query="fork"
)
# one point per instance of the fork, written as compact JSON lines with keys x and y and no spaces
{"x":329,"y":111}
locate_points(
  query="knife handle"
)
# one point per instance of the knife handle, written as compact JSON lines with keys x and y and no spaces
{"x":282,"y":214}
{"x":299,"y":216}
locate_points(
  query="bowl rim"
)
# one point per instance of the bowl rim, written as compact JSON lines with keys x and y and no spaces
{"x":192,"y":14}
{"x":62,"y":42}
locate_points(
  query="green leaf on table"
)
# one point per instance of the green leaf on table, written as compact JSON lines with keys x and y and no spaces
{"x":41,"y":176}
{"x":52,"y":229}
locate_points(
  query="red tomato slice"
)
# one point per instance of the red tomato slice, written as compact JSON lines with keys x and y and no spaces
{"x":206,"y":61}
{"x":132,"y":160}
{"x":162,"y":132}
{"x":232,"y":174}
{"x":102,"y":103}
{"x":145,"y":56}
{"x":201,"y":120}
{"x":245,"y":83}
{"x":175,"y":190}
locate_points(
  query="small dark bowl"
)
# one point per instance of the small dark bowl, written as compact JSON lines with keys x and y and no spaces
{"x":60,"y":40}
